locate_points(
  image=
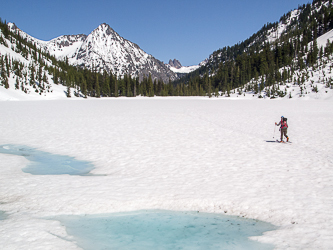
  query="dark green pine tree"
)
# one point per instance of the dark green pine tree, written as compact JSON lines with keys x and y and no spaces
{"x":135,"y":86}
{"x":228,"y":90}
{"x":32,"y":75}
{"x":209,"y":88}
{"x":39,"y":74}
{"x":5,"y":30}
{"x":8,"y":65}
{"x":128,"y":86}
{"x":105,"y":88}
{"x":155,"y":86}
{"x":3,"y":71}
{"x":5,"y":82}
{"x":98,"y":92}
{"x":107,"y":85}
{"x":68,"y":94}
{"x":159,"y":87}
{"x":84,"y":87}
{"x":143,"y":86}
{"x":150,"y":86}
{"x":55,"y":76}
{"x":315,"y":52}
{"x":116,"y":94}
{"x":17,"y":84}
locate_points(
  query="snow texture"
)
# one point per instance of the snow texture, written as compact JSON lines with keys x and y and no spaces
{"x":182,"y":154}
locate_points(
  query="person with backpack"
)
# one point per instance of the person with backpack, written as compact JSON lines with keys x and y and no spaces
{"x":283,"y":128}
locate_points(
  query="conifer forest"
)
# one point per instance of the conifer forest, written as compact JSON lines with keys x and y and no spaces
{"x":256,"y":65}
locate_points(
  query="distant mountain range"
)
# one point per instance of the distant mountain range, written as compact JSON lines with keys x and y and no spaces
{"x":292,"y":57}
{"x":104,"y":49}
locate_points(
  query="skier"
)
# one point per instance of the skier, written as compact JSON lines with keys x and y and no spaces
{"x":283,"y":128}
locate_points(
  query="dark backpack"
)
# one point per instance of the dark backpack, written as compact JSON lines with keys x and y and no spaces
{"x":284,"y":123}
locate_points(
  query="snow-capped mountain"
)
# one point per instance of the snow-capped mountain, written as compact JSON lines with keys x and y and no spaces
{"x":178,"y":68}
{"x":104,"y":49}
{"x":61,"y":47}
{"x":272,"y":33}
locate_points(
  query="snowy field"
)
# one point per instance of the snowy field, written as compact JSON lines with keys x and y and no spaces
{"x":183,"y":154}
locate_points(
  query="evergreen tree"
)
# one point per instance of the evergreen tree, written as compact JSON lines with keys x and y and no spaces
{"x":5,"y":82}
{"x":98,"y":93}
{"x":135,"y":85}
{"x":84,"y":88}
{"x":17,"y":84}
{"x":68,"y":94}
{"x":150,"y":86}
{"x":116,"y":88}
{"x":32,"y":75}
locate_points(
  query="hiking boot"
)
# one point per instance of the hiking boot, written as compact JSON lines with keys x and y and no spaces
{"x":287,"y":138}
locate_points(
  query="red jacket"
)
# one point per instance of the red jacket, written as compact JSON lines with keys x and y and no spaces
{"x":283,"y":124}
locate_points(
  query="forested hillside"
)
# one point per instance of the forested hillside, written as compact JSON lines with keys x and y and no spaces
{"x":283,"y":52}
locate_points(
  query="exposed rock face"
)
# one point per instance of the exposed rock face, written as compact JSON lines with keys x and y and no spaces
{"x":175,"y":63}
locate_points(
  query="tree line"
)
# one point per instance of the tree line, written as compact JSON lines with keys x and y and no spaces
{"x":255,"y":58}
{"x":86,"y":82}
{"x":253,"y":64}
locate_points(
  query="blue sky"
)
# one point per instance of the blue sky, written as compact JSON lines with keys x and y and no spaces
{"x":188,"y":30}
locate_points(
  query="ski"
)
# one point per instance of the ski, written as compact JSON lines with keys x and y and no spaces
{"x":283,"y":141}
{"x":280,"y":141}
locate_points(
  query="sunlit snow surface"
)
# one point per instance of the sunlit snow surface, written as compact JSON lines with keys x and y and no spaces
{"x":167,"y":230}
{"x":44,"y":163}
{"x":180,"y":154}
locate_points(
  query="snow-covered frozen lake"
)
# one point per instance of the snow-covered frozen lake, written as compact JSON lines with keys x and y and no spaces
{"x":181,"y":154}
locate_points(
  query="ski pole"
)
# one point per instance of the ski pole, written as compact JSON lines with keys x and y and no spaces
{"x":274,"y":132}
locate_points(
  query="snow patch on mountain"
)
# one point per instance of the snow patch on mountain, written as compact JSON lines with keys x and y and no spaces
{"x":177,"y":67}
{"x":185,"y":69}
{"x":275,"y":33}
{"x":65,"y":46}
{"x":322,"y":40}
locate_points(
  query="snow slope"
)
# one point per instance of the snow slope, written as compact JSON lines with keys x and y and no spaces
{"x":195,"y":154}
{"x":322,"y":40}
{"x":185,"y":69}
{"x":103,"y":49}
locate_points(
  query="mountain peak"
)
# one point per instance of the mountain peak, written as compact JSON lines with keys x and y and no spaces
{"x":12,"y":26}
{"x":175,"y":64}
{"x":106,"y":29}
{"x":106,"y":50}
{"x":103,"y":49}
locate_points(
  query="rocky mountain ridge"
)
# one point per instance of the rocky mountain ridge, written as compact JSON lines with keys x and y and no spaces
{"x":103,"y":49}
